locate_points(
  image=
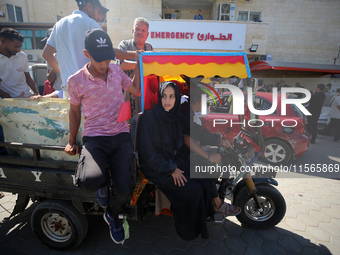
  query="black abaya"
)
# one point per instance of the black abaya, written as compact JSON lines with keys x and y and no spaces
{"x":159,"y":137}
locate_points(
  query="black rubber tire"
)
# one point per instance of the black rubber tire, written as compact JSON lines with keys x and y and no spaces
{"x":52,"y":214}
{"x":273,"y":202}
{"x":281,"y":156}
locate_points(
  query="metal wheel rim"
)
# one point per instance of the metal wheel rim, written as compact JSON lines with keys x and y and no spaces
{"x":252,"y":212}
{"x":275,"y":155}
{"x":56,"y":227}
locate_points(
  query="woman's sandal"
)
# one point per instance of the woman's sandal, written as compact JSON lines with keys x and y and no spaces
{"x":229,"y":210}
{"x":1,"y":195}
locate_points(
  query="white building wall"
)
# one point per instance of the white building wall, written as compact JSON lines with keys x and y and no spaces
{"x":49,"y":10}
{"x":307,"y":35}
{"x":298,"y":30}
{"x":45,"y":11}
{"x":19,"y":3}
{"x":123,"y":12}
{"x":291,"y":30}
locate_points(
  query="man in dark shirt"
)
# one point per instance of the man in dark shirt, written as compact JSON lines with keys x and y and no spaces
{"x":140,"y":33}
{"x":261,"y":86}
{"x":315,"y":106}
{"x":195,"y":136}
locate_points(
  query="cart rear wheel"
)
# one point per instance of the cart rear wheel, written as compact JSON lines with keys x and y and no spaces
{"x":58,"y":224}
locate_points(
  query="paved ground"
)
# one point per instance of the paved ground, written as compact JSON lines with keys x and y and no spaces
{"x":311,"y":224}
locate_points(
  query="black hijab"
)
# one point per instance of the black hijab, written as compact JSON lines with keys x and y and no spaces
{"x":163,"y":116}
{"x":169,"y":122}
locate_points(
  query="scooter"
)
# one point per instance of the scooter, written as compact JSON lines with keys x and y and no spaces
{"x":263,"y":206}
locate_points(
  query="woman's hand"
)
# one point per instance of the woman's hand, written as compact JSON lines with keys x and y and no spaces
{"x":179,"y":178}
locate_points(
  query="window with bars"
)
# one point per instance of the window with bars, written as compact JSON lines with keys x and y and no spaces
{"x":32,"y":38}
{"x":28,"y":41}
{"x":39,"y":35}
{"x":14,"y":13}
{"x":224,"y":12}
{"x":249,"y":16}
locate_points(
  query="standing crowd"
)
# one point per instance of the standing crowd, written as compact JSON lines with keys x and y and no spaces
{"x":315,"y":106}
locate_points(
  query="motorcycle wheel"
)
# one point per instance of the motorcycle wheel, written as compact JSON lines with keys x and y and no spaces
{"x":272,"y":203}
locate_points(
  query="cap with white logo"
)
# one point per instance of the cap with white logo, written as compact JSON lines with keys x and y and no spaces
{"x":99,"y":45}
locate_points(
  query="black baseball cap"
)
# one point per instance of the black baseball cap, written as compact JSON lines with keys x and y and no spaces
{"x":99,"y":45}
{"x":104,"y":10}
{"x":95,"y":2}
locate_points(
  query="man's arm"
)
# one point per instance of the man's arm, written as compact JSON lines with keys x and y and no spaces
{"x":51,"y":77}
{"x":4,"y":94}
{"x":74,"y":118}
{"x":135,"y":87}
{"x":31,"y":83}
{"x":48,"y":56}
{"x":128,"y":65}
{"x":189,"y":142}
{"x":120,"y":54}
{"x":52,"y":95}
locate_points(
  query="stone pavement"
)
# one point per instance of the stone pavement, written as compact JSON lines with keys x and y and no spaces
{"x":311,"y":224}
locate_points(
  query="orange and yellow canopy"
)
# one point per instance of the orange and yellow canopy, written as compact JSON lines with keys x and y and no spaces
{"x":195,"y":64}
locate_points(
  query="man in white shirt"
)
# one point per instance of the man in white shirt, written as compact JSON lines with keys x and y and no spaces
{"x":15,"y":80}
{"x":53,"y":78}
{"x":68,"y":39}
{"x":335,"y":116}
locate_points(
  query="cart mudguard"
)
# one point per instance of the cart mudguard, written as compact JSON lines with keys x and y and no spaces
{"x":20,"y":204}
{"x":240,"y":185}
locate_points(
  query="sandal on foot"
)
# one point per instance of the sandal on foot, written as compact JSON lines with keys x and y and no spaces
{"x":229,"y":210}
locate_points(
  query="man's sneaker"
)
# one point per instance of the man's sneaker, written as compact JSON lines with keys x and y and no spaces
{"x":103,"y":196}
{"x":116,"y":229}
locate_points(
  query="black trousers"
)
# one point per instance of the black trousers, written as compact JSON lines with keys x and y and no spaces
{"x":107,"y":160}
{"x":312,"y":126}
{"x":3,"y":150}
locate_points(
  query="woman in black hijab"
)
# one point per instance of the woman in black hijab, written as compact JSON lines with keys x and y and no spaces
{"x":159,"y":138}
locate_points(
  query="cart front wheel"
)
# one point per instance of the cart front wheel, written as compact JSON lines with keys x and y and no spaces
{"x":273,"y":207}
